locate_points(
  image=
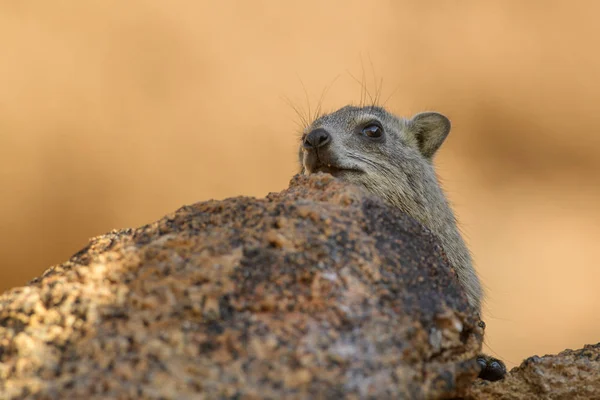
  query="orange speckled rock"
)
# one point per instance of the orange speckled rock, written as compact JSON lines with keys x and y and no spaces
{"x":319,"y":291}
{"x":569,"y":375}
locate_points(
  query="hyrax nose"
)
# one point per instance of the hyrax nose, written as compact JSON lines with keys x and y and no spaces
{"x":317,"y":138}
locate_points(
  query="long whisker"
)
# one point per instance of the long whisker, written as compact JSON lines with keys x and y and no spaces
{"x":378,"y":93}
{"x":323,"y":94}
{"x":374,"y":101}
{"x":363,"y":89}
{"x":364,"y":80}
{"x":306,"y":97}
{"x":303,"y":122}
{"x":390,"y":96}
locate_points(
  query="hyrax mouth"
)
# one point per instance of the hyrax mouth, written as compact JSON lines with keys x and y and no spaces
{"x":333,"y":169}
{"x":325,"y":161}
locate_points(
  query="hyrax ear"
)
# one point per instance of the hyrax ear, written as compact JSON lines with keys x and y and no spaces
{"x":429,"y":130}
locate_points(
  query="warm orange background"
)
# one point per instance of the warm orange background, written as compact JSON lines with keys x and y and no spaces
{"x":114,"y":113}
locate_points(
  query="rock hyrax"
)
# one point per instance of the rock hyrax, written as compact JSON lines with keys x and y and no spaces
{"x":392,"y":158}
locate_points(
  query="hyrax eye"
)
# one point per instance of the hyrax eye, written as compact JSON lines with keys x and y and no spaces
{"x":372,"y":131}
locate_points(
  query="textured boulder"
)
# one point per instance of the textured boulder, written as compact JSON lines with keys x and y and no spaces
{"x":571,"y":374}
{"x":317,"y":291}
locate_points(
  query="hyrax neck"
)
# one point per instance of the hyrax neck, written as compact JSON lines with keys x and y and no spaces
{"x":424,"y":200}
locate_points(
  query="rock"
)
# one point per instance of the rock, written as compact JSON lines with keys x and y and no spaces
{"x":571,"y":374}
{"x":320,"y":291}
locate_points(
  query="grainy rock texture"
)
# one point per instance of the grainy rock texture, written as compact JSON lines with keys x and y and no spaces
{"x":571,"y":374}
{"x":319,"y":291}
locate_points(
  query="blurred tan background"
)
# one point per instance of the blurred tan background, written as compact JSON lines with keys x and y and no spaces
{"x":115,"y":113}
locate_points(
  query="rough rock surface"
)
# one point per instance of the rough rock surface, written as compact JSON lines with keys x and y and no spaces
{"x":319,"y":291}
{"x":571,"y":374}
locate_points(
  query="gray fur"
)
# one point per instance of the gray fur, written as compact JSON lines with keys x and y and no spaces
{"x":398,"y":168}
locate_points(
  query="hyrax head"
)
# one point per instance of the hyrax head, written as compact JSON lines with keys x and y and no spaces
{"x":371,"y":146}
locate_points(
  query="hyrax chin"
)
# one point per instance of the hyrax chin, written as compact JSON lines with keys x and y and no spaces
{"x":392,"y":158}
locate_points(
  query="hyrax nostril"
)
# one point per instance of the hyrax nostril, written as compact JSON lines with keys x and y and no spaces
{"x":317,"y":138}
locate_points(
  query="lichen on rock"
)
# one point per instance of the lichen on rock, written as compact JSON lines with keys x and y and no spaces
{"x":319,"y":291}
